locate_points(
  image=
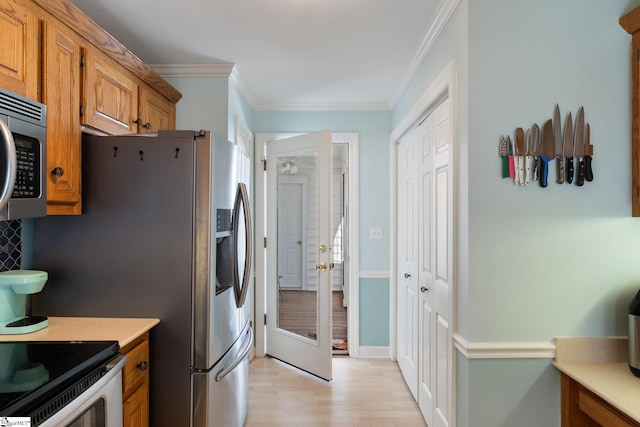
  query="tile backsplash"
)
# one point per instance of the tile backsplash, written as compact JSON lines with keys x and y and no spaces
{"x":10,"y":245}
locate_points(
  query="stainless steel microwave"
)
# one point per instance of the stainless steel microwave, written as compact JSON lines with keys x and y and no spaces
{"x":23,"y":157}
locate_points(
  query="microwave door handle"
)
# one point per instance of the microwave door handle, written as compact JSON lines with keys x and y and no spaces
{"x":9,"y":179}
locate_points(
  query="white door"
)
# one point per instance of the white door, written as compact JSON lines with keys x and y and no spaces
{"x":291,"y":226}
{"x":308,"y":349}
{"x":407,"y":271}
{"x":430,"y":143}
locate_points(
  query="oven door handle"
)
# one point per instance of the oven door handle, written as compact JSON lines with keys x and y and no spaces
{"x":10,"y":153}
{"x":226,"y":370}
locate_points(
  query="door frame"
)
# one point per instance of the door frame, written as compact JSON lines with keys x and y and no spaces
{"x":444,"y":85}
{"x":260,"y":306}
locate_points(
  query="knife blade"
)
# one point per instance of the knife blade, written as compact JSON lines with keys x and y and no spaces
{"x":588,"y":154}
{"x":548,"y":151}
{"x":535,"y":150}
{"x":568,"y":146}
{"x":519,"y":159}
{"x":579,"y":147}
{"x":557,"y":133}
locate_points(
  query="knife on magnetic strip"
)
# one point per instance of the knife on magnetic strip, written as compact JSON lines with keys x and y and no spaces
{"x":548,"y":151}
{"x":588,"y":154}
{"x":568,"y":146}
{"x":579,"y":147}
{"x":519,"y":158}
{"x":535,"y":150}
{"x":557,"y":133}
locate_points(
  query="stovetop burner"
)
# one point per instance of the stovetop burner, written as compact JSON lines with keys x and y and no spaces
{"x":30,"y":372}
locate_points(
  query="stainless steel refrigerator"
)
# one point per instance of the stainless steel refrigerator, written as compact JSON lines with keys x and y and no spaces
{"x":165,"y":232}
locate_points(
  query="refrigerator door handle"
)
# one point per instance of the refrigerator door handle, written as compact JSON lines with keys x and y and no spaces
{"x":226,"y":370}
{"x":11,"y":163}
{"x":242,"y":197}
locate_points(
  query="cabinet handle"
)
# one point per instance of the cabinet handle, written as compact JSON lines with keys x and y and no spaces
{"x":57,"y":171}
{"x":142,"y":366}
{"x":147,"y":125}
{"x":138,"y":122}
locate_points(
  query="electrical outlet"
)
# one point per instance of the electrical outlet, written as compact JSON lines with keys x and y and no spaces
{"x":375,"y":233}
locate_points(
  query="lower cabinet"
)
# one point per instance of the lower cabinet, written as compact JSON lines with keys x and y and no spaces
{"x":582,"y":408}
{"x":135,"y":383}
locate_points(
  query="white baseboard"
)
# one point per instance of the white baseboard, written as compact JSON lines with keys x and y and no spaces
{"x":373,"y":352}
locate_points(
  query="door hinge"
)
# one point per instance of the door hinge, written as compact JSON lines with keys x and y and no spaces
{"x":82,"y":60}
{"x":81,"y":111}
{"x":264,"y":164}
{"x":265,"y":318}
{"x":265,"y":242}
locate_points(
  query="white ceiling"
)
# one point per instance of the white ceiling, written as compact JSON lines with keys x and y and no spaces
{"x":288,"y":54}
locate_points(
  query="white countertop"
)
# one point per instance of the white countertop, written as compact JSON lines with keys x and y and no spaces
{"x":600,"y":365}
{"x":123,"y":330}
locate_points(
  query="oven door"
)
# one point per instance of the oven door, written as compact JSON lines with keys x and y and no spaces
{"x":99,"y":406}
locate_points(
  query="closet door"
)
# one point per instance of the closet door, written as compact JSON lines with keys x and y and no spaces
{"x":407,"y":261}
{"x":425,"y":238}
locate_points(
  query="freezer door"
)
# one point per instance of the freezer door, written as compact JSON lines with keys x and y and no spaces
{"x":220,"y":396}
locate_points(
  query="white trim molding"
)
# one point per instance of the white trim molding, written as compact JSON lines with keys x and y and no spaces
{"x":374,"y":352}
{"x":375,"y":275}
{"x":221,"y":69}
{"x":504,"y":350}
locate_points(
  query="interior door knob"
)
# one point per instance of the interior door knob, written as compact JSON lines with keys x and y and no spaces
{"x":321,"y":267}
{"x":407,"y":275}
{"x":423,"y":289}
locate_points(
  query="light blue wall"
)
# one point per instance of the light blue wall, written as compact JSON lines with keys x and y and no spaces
{"x":536,"y":263}
{"x":374,"y":312}
{"x":204,"y":103}
{"x":238,"y":108}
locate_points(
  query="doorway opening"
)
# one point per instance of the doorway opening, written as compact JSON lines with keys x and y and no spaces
{"x":296,"y":288}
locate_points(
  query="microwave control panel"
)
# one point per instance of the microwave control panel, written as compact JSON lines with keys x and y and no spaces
{"x":27,"y":184}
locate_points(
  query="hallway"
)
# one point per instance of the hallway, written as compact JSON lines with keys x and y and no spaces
{"x":364,"y":392}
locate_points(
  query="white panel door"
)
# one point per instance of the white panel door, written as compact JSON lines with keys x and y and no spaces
{"x":310,"y":155}
{"x":407,"y":279}
{"x":425,"y":231}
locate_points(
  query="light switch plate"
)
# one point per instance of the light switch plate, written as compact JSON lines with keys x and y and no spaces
{"x":375,"y":233}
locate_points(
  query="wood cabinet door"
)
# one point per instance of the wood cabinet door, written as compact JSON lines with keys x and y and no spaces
{"x":110,"y":96}
{"x":135,"y":410}
{"x":156,"y":112}
{"x":61,"y":94}
{"x":19,"y":60}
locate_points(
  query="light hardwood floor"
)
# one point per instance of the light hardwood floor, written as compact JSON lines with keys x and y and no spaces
{"x":364,"y":392}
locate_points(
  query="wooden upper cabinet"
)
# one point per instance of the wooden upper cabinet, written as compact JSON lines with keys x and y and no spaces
{"x":19,"y":56}
{"x":156,"y":112}
{"x":110,"y":96}
{"x":61,"y":94}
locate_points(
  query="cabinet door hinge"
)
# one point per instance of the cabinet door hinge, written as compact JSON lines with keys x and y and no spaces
{"x":265,"y":318}
{"x":265,"y":242}
{"x":82,"y":60}
{"x":81,"y":111}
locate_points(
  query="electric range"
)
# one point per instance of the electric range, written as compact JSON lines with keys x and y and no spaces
{"x":39,"y":378}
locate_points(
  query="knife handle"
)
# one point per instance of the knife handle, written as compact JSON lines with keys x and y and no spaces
{"x":581,"y":170}
{"x":512,"y":167}
{"x":516,"y":168}
{"x":560,"y":170}
{"x":505,"y":166}
{"x":544,"y":172}
{"x":569,"y":170}
{"x":536,"y":168}
{"x":527,"y":169}
{"x":588,"y":173}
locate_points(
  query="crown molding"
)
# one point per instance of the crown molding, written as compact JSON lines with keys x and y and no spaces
{"x":445,"y":11}
{"x":223,"y":69}
{"x":321,"y":107}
